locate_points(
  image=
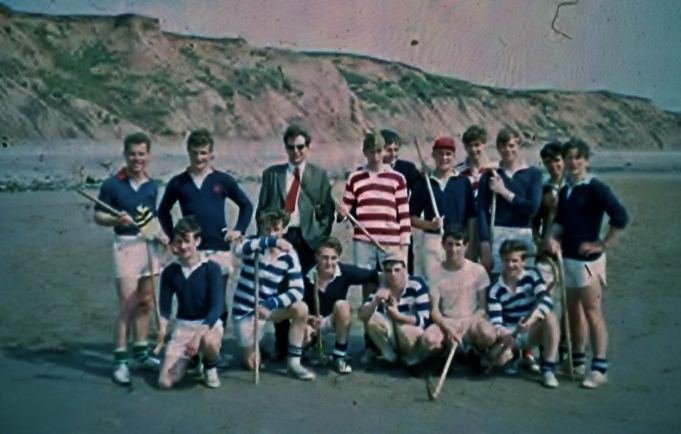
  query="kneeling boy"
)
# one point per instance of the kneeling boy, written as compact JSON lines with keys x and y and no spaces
{"x":278,"y":265}
{"x":519,"y":307}
{"x":197,"y":284}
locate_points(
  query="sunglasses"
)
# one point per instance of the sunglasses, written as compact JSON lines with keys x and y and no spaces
{"x":292,"y":147}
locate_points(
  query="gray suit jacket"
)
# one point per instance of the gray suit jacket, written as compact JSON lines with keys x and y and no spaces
{"x":315,"y":204}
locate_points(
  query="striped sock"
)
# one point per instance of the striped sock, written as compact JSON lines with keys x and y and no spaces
{"x":578,"y":359}
{"x":210,"y":364}
{"x":139,"y":351}
{"x":547,"y":366}
{"x":600,"y":365}
{"x":120,"y":357}
{"x":294,"y":352}
{"x":339,"y":350}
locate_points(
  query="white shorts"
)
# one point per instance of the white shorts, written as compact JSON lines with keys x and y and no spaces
{"x":327,"y":327}
{"x":432,"y":254}
{"x":502,"y":234}
{"x":579,"y":274}
{"x":130,"y":258}
{"x":244,"y":331}
{"x":367,"y":255}
{"x":175,"y":358}
{"x":224,"y":258}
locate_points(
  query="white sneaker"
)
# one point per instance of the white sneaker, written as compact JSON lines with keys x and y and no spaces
{"x":212,"y":380}
{"x":550,"y":380}
{"x":296,"y":370}
{"x":341,"y":366}
{"x":579,"y":371}
{"x":594,"y":379}
{"x":368,"y":356}
{"x":121,"y":374}
{"x":196,"y":371}
{"x":531,"y":365}
{"x":149,"y":364}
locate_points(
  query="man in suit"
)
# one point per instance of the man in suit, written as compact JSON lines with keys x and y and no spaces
{"x":302,"y":190}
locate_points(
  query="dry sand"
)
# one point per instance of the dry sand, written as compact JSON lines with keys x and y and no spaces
{"x":59,"y":305}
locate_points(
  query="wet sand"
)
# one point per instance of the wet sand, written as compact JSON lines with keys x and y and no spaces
{"x":58,"y":308}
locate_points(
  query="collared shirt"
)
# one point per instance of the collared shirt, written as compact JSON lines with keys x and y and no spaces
{"x":569,"y":187}
{"x":120,"y":193}
{"x":414,"y":301}
{"x":345,"y":276}
{"x":295,"y":216}
{"x":455,"y":201}
{"x":507,"y":308}
{"x":473,"y":173}
{"x":199,"y":292}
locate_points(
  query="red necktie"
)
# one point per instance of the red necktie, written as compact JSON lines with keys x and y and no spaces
{"x":292,"y":196}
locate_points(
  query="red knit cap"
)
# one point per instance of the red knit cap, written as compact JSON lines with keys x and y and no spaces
{"x":444,"y":143}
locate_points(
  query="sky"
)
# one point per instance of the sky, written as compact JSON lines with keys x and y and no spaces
{"x":626,"y":46}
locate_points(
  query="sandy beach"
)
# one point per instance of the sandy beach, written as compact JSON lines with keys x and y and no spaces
{"x":59,"y":305}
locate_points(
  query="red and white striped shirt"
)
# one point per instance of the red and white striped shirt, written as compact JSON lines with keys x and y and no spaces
{"x":474,"y":174}
{"x":381,"y":203}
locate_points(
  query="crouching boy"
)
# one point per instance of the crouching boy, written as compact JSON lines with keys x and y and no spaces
{"x":197,"y":284}
{"x":396,"y":314}
{"x":519,"y":307}
{"x":277,"y":265}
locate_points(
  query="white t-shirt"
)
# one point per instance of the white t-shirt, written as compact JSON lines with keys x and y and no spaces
{"x":458,"y":290}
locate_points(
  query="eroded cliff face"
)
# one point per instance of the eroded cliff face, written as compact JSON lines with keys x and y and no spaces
{"x":80,"y":77}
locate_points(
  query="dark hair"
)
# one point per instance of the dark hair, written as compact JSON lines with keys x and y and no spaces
{"x":512,"y":246}
{"x":391,"y":137}
{"x":583,"y":150}
{"x":331,"y":243}
{"x":506,"y":134}
{"x":272,"y":217}
{"x":456,"y":232}
{"x":294,"y":131}
{"x":551,"y":151}
{"x":136,"y":139}
{"x":474,"y":133}
{"x":372,"y":141}
{"x":200,"y":137}
{"x":187,"y":225}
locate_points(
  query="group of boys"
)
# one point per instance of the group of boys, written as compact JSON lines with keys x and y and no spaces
{"x":497,"y":212}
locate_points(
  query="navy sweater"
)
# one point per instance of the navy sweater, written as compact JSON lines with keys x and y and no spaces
{"x":199,"y":296}
{"x":117,"y":192}
{"x":526,"y":184}
{"x":580,"y":213}
{"x":206,"y":205}
{"x":456,"y":204}
{"x":337,"y":289}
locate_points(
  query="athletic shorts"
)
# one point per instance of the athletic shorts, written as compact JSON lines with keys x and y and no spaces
{"x":130,"y":258}
{"x":175,"y":357}
{"x":502,"y":234}
{"x":327,"y":327}
{"x":579,"y":274}
{"x":432,"y":254}
{"x":367,"y":255}
{"x":224,"y":258}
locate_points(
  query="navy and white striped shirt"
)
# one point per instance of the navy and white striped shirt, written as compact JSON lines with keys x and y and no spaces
{"x":414,"y":301}
{"x":283,"y":268}
{"x":506,"y":309}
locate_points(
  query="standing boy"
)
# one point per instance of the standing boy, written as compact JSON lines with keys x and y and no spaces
{"x":582,"y":203}
{"x":518,"y":188}
{"x":131,"y":191}
{"x":518,"y":302}
{"x":202,"y":191}
{"x":278,"y":265}
{"x":333,"y":279}
{"x":197,"y":284}
{"x":454,"y":200}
